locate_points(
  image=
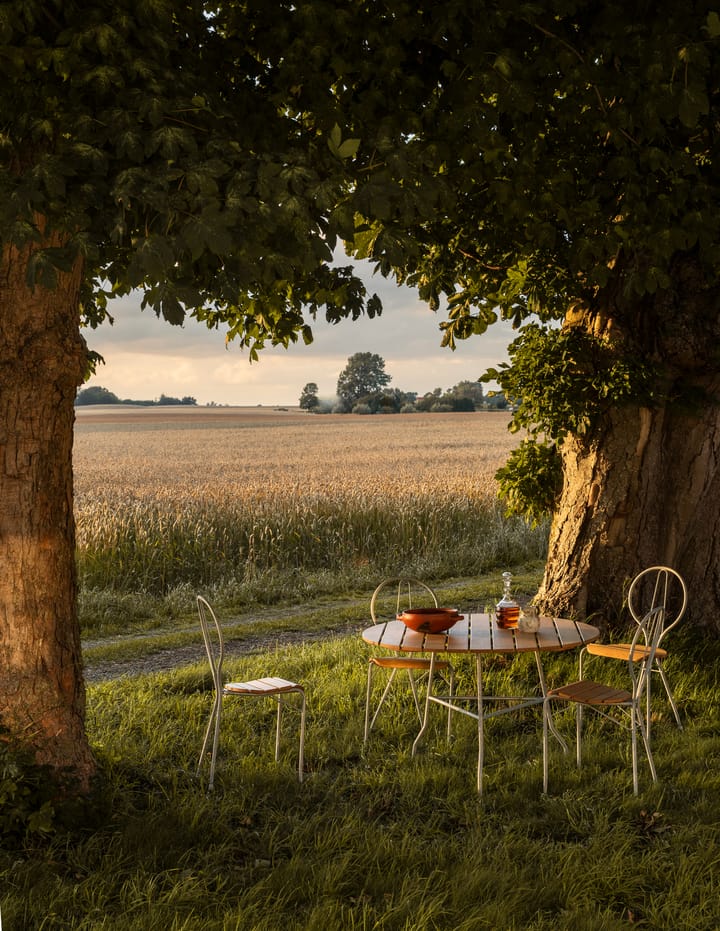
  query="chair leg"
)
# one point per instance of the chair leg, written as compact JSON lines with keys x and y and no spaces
{"x":301,"y":749}
{"x":216,"y":741}
{"x":368,"y":692}
{"x":369,"y":724}
{"x":452,"y":692}
{"x":206,"y":739}
{"x":213,"y":727}
{"x":578,"y":733}
{"x":546,"y":747}
{"x":277,"y":730}
{"x":633,"y":746}
{"x":671,"y":699}
{"x":646,"y":743}
{"x":413,"y":689}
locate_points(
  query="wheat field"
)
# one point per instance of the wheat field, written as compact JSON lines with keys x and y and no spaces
{"x":199,"y":496}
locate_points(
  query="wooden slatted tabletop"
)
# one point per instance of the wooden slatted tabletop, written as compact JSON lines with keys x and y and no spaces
{"x":479,"y":633}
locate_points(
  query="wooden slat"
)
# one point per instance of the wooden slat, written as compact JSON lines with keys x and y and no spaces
{"x":480,"y":638}
{"x":405,"y":662}
{"x":504,"y":641}
{"x":458,"y":637}
{"x":591,"y":693}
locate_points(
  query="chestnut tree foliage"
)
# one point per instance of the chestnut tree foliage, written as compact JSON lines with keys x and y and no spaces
{"x":550,"y":162}
{"x":556,"y":163}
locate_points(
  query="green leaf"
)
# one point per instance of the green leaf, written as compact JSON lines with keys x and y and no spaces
{"x":713,"y":25}
{"x":342,"y":149}
{"x":693,"y":104}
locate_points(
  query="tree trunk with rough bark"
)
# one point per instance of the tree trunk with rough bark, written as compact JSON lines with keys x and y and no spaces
{"x":642,"y":488}
{"x":42,"y":359}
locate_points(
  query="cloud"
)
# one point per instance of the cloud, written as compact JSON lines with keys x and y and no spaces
{"x":146,"y":357}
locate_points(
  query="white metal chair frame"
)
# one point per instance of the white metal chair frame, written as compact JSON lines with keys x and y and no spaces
{"x":395,"y":663}
{"x":664,"y":579}
{"x":270,"y":687}
{"x":604,"y":699}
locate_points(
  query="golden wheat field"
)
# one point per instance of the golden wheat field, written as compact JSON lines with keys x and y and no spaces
{"x":166,"y":495}
{"x":253,"y":453}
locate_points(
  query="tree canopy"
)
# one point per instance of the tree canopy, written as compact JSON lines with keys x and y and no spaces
{"x":363,"y":375}
{"x":154,"y":138}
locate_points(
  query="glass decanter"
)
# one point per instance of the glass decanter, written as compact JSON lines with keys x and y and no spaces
{"x":508,"y":610}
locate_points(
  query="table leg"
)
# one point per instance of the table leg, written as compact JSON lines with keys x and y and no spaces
{"x":546,"y":708}
{"x":481,"y":724}
{"x":426,"y":715}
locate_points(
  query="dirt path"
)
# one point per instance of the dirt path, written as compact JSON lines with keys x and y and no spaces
{"x":165,"y":660}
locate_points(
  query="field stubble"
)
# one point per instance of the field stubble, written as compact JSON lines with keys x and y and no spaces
{"x":318,"y":502}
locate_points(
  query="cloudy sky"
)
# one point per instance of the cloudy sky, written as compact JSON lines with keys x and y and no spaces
{"x":146,"y":357}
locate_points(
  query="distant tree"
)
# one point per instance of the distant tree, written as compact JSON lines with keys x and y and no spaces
{"x":189,"y":401}
{"x":387,"y":401}
{"x":469,"y":389}
{"x":425,"y":403}
{"x":497,"y":401}
{"x":364,"y":374}
{"x":96,"y":395}
{"x":309,"y":400}
{"x":457,"y":402}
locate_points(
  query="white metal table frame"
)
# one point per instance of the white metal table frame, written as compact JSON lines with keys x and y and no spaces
{"x":477,"y":635}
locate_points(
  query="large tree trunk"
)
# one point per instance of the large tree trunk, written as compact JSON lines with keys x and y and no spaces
{"x":42,"y":357}
{"x":643,"y":487}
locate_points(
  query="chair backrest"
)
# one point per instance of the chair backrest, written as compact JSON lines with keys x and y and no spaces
{"x":658,"y":587}
{"x":213,"y":638}
{"x":649,"y":632}
{"x":394,"y":595}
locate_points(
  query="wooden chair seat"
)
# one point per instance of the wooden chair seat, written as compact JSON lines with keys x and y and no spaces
{"x":268,"y":686}
{"x":591,"y":693}
{"x":622,"y":651}
{"x":407,"y":662}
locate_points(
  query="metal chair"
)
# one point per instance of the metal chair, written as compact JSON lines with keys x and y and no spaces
{"x":655,"y":587}
{"x":406,"y":593}
{"x":606,"y":699}
{"x":270,"y":687}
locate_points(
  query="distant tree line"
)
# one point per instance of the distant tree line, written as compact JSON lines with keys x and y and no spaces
{"x":98,"y":395}
{"x":363,"y":388}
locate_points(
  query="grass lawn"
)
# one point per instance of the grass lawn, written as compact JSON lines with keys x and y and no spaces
{"x":373,"y":838}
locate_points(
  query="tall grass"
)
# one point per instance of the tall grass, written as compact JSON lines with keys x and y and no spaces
{"x":154,"y":546}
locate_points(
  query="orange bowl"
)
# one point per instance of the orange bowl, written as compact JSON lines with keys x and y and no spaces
{"x":430,"y":620}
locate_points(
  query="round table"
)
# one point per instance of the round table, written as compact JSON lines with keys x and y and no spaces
{"x":479,"y":635}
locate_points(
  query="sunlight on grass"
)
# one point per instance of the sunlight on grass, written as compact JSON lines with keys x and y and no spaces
{"x":376,"y":839}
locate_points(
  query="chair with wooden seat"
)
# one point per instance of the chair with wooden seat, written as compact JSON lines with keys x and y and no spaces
{"x":390,"y":598}
{"x":613,"y":703}
{"x":268,"y":687}
{"x":655,"y":587}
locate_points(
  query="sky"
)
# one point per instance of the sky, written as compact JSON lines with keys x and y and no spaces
{"x":146,"y":357}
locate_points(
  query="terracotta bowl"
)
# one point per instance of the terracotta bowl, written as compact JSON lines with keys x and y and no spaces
{"x":430,"y":620}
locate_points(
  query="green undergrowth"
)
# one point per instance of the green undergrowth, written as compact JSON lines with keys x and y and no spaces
{"x":374,"y":838}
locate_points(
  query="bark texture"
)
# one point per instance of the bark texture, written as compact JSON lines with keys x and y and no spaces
{"x":42,"y":357}
{"x":643,"y":487}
